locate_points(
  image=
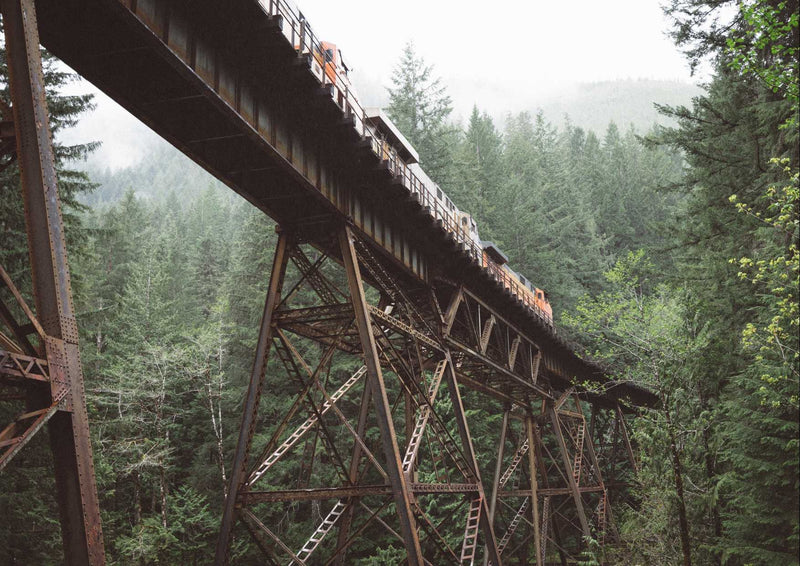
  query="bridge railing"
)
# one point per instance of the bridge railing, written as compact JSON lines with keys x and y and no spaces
{"x":298,"y":31}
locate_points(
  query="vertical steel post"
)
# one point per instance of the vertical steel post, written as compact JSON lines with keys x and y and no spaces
{"x":466,"y":441}
{"x":589,"y":446}
{"x":573,"y":486}
{"x":69,"y":428}
{"x":543,"y":471}
{"x":347,"y":518}
{"x":394,"y":468}
{"x":537,"y":537}
{"x":498,"y":469}
{"x":626,"y":439}
{"x":250,"y":409}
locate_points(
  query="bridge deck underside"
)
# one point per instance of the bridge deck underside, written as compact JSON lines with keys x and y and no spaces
{"x":227,"y":88}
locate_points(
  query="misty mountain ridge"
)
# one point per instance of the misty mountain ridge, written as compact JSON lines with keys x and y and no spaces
{"x":592,"y":106}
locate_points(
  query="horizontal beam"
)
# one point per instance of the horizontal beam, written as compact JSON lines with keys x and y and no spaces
{"x":19,"y":366}
{"x":316,"y":494}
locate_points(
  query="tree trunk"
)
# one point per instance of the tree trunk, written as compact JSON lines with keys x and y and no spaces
{"x":137,"y":502}
{"x":677,"y":470}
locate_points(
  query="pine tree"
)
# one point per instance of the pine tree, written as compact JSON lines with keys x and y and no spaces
{"x":64,"y":112}
{"x":479,"y":157}
{"x":420,"y":107}
{"x":729,"y":136}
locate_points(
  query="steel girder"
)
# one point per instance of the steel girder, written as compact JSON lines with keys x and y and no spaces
{"x":39,"y":357}
{"x":389,"y":434}
{"x":373,"y":440}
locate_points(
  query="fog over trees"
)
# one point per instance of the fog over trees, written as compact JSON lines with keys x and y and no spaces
{"x":670,"y":254}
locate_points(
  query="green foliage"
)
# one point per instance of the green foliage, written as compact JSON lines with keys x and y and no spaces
{"x":592,"y":554}
{"x":761,"y":441}
{"x":768,"y":46}
{"x":420,"y":107}
{"x":639,"y":328}
{"x":64,"y":112}
{"x":391,"y":555}
{"x":478,"y":160}
{"x":737,"y":265}
{"x":775,"y":272}
{"x":703,"y":309}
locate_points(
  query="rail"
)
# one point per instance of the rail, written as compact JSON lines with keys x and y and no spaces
{"x":298,"y":31}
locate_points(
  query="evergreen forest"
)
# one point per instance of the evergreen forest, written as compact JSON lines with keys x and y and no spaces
{"x":670,"y":255}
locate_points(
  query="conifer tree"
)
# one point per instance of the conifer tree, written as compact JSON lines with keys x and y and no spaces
{"x":475,"y":187}
{"x":729,"y":137}
{"x":420,"y":106}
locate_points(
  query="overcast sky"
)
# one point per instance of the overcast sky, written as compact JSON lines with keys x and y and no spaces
{"x":533,"y":45}
{"x":503,"y":55}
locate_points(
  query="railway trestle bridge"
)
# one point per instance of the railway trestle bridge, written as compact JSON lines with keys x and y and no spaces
{"x":408,"y":344}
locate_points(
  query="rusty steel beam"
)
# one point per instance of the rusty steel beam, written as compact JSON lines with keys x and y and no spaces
{"x":252,"y":398}
{"x":19,"y":367}
{"x":498,"y":469}
{"x":573,"y":485}
{"x":69,"y":429}
{"x":401,"y":491}
{"x":537,"y":537}
{"x":497,"y":351}
{"x":466,"y":441}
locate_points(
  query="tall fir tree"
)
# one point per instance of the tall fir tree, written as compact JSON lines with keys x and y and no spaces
{"x":420,"y":106}
{"x":729,"y":137}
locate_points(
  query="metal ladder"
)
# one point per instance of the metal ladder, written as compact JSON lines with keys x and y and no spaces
{"x":422,"y":419}
{"x":323,"y":529}
{"x":545,"y":526}
{"x":514,"y":463}
{"x":513,"y":526}
{"x":471,"y":532}
{"x":487,"y":332}
{"x":576,"y":466}
{"x":305,"y":427}
{"x":601,"y":518}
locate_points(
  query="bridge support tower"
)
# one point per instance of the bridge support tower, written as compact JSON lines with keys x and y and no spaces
{"x":40,"y":365}
{"x":383,"y":377}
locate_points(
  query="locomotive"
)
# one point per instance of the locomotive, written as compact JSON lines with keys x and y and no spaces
{"x":403,"y":161}
{"x":389,"y":144}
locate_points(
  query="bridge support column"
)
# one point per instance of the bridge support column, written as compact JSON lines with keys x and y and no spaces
{"x":253,"y":397}
{"x":466,"y":441}
{"x":533,"y":472}
{"x":402,"y":493}
{"x":568,"y":468}
{"x":64,"y":404}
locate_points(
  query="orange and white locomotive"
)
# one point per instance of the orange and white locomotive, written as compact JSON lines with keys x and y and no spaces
{"x":392,"y":147}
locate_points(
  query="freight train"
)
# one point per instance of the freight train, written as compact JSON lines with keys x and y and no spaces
{"x":326,"y":63}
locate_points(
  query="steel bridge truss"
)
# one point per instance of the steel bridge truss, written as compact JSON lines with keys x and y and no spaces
{"x":375,"y":442}
{"x":41,"y":379}
{"x":367,"y":436}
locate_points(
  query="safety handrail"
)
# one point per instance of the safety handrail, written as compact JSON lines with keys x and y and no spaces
{"x":299,"y":32}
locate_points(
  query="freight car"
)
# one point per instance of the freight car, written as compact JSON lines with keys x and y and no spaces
{"x":388,"y":143}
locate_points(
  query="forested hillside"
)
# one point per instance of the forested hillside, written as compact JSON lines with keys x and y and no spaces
{"x":670,"y":254}
{"x":625,"y":102}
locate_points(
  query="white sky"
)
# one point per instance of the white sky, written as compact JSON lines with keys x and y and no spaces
{"x":506,"y":42}
{"x":503,"y":55}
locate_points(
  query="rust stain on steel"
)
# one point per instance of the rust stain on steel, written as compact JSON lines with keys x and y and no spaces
{"x":68,"y":422}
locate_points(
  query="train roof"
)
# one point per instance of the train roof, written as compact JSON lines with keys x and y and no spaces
{"x":387,"y":127}
{"x":494,"y":252}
